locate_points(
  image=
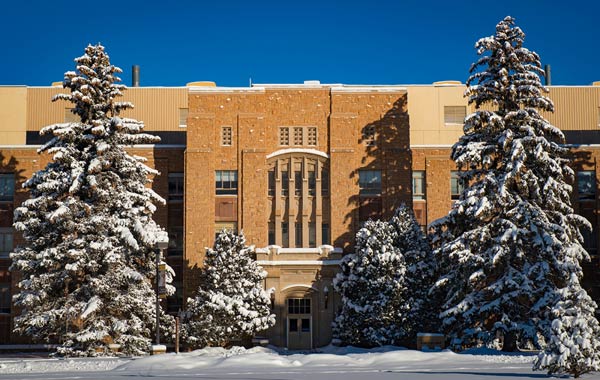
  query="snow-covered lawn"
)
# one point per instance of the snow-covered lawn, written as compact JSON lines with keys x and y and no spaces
{"x":264,"y":363}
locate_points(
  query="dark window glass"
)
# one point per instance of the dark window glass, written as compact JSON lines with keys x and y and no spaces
{"x":7,"y":187}
{"x":298,"y":235}
{"x":298,"y":182}
{"x":285,"y":183}
{"x":324,"y":183}
{"x":271,"y":233}
{"x":285,"y":235}
{"x":456,"y":185}
{"x":5,"y":298}
{"x":312,"y":235}
{"x":293,"y":324}
{"x":325,"y":233}
{"x":226,"y":182}
{"x":175,"y":241}
{"x":271,"y":182}
{"x":312,"y":183}
{"x":586,"y":185}
{"x":418,"y":184}
{"x":298,"y":305}
{"x":305,"y":325}
{"x":176,"y":182}
{"x":369,"y":182}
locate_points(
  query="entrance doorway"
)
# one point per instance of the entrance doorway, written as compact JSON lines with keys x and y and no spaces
{"x":299,"y":324}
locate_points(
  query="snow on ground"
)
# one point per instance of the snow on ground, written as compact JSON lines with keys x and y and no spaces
{"x":347,"y":363}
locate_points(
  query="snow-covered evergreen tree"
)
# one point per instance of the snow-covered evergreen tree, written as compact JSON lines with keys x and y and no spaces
{"x":512,"y":238}
{"x":231,"y":303}
{"x":573,"y":346}
{"x":422,"y":315}
{"x":88,"y":263}
{"x":371,"y":284}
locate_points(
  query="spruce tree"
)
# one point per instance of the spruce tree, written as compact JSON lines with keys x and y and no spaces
{"x":88,"y":263}
{"x":231,"y":304}
{"x":372,"y":286}
{"x":512,"y":239}
{"x":422,"y":314}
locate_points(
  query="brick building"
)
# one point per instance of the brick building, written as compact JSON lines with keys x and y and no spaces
{"x":296,"y":167}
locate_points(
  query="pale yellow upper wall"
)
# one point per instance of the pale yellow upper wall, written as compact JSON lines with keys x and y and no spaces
{"x":157,"y":107}
{"x":426,"y":113}
{"x":575,"y":108}
{"x":13,"y":101}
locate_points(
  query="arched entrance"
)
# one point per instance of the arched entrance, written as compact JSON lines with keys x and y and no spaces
{"x":300,"y":303}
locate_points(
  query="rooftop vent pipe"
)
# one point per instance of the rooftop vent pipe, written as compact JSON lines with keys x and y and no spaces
{"x":548,"y":75}
{"x":135,"y":76}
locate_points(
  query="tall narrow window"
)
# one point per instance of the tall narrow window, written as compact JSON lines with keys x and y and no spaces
{"x":7,"y":187}
{"x":298,"y":235}
{"x":285,"y":183}
{"x":456,"y":185}
{"x":284,"y":136}
{"x":312,"y":183}
{"x":454,"y":114}
{"x":175,"y":241}
{"x":226,"y":182}
{"x":369,"y":182}
{"x":176,"y":181}
{"x":312,"y":136}
{"x":298,"y":135}
{"x":586,"y":185}
{"x":5,"y":298}
{"x":324,"y":182}
{"x":271,"y":179}
{"x":312,"y":235}
{"x":183,"y":115}
{"x":298,"y":182}
{"x":418,"y":184}
{"x":6,"y":242}
{"x":271,"y":237}
{"x":285,"y":235}
{"x":325,"y":234}
{"x":226,"y":136}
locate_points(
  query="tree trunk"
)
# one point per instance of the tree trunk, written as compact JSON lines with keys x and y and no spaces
{"x":510,"y":342}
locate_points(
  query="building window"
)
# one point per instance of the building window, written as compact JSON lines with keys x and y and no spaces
{"x":176,"y":182}
{"x":226,"y":182}
{"x":312,"y":183}
{"x":368,"y":135}
{"x":175,"y":241}
{"x":325,"y":234}
{"x":369,"y":182}
{"x":298,"y":235}
{"x":226,"y":136}
{"x":454,"y":114}
{"x":6,"y":242}
{"x":418,"y":184}
{"x":5,"y":298}
{"x":7,"y":187}
{"x":298,"y":182}
{"x":298,"y":135}
{"x":271,"y":182}
{"x":284,"y":136}
{"x":285,"y":235}
{"x":586,"y":185}
{"x":312,"y":235}
{"x":456,"y":185}
{"x":271,"y":237}
{"x":285,"y":183}
{"x":70,"y":117}
{"x":312,"y":136}
{"x":324,"y":183}
{"x":298,"y":305}
{"x":183,"y":115}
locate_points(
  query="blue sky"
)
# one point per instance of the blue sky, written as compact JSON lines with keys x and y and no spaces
{"x":230,"y":41}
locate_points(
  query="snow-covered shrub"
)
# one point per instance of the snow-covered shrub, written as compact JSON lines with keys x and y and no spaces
{"x":88,"y":263}
{"x":231,"y":304}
